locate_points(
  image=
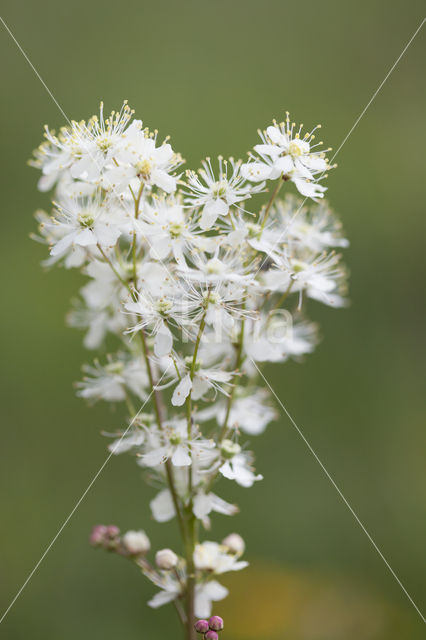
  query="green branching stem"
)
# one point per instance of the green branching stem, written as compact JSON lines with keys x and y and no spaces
{"x":155,"y":394}
{"x":238,"y":363}
{"x":137,"y":201}
{"x":191,"y":537}
{"x":271,"y":201}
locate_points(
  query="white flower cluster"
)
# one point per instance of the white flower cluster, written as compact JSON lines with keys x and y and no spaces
{"x":190,"y":285}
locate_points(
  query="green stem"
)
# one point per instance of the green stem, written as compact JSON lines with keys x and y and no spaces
{"x":191,"y":538}
{"x":137,"y":203}
{"x":155,"y":395}
{"x":271,"y":200}
{"x":238,"y":362}
{"x":283,"y":297}
{"x":158,"y":415}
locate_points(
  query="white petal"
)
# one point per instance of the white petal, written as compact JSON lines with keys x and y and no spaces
{"x":268,"y":150}
{"x":163,"y":180}
{"x":181,"y":457}
{"x":182,"y":391}
{"x":85,"y":238}
{"x":221,"y":506}
{"x":163,"y":341}
{"x":155,"y":457}
{"x":276,"y":136}
{"x":160,"y":598}
{"x":285,"y":164}
{"x":200,"y":388}
{"x":205,"y":594}
{"x":309,"y":189}
{"x":62,"y":245}
{"x":162,"y":507}
{"x":202,"y":505}
{"x":160,"y":248}
{"x":255,"y":171}
{"x":226,"y":471}
{"x":107,"y":234}
{"x":216,"y":591}
{"x":126,"y":443}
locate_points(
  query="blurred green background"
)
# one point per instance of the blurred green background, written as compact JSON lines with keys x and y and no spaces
{"x":210,"y":73}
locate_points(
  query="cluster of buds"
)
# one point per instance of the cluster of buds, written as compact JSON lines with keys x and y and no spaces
{"x":209,"y":628}
{"x":132,"y":543}
{"x":105,"y":536}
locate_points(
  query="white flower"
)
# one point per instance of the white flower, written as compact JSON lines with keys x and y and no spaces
{"x":81,"y":150}
{"x":211,"y":556}
{"x":238,"y":468}
{"x":136,"y":542}
{"x":170,"y":589}
{"x":139,"y":161}
{"x":84,"y":223}
{"x":51,"y":233}
{"x":203,"y":381}
{"x":321,"y":276}
{"x":315,"y":228}
{"x":173,"y":443}
{"x":168,"y":229}
{"x":250,"y":413}
{"x":155,"y":312}
{"x":216,"y":196}
{"x":205,"y":503}
{"x":278,"y":337}
{"x":223,"y":266}
{"x":112,"y":381}
{"x":131,"y":440}
{"x":97,"y":142}
{"x":205,"y":595}
{"x":284,"y":153}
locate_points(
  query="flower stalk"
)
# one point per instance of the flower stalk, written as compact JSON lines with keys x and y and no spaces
{"x":184,"y":293}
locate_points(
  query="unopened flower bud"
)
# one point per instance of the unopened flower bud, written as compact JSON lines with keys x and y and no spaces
{"x":98,"y":535}
{"x":216,"y":623}
{"x":166,"y":559}
{"x":136,"y":542}
{"x":201,"y":626}
{"x":211,"y":635}
{"x":105,"y":536}
{"x":112,"y":531}
{"x":234,"y":543}
{"x":230,"y":449}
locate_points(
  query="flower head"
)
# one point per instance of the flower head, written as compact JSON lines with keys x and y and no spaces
{"x":285,"y":152}
{"x":217,"y":194}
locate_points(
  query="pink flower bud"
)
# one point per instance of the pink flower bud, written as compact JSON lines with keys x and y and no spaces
{"x":105,"y":536}
{"x":216,"y":624}
{"x":98,"y":535}
{"x":201,"y":626}
{"x":211,"y":635}
{"x":112,"y":531}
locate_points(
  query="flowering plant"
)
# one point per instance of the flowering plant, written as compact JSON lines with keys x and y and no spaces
{"x":191,"y":287}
